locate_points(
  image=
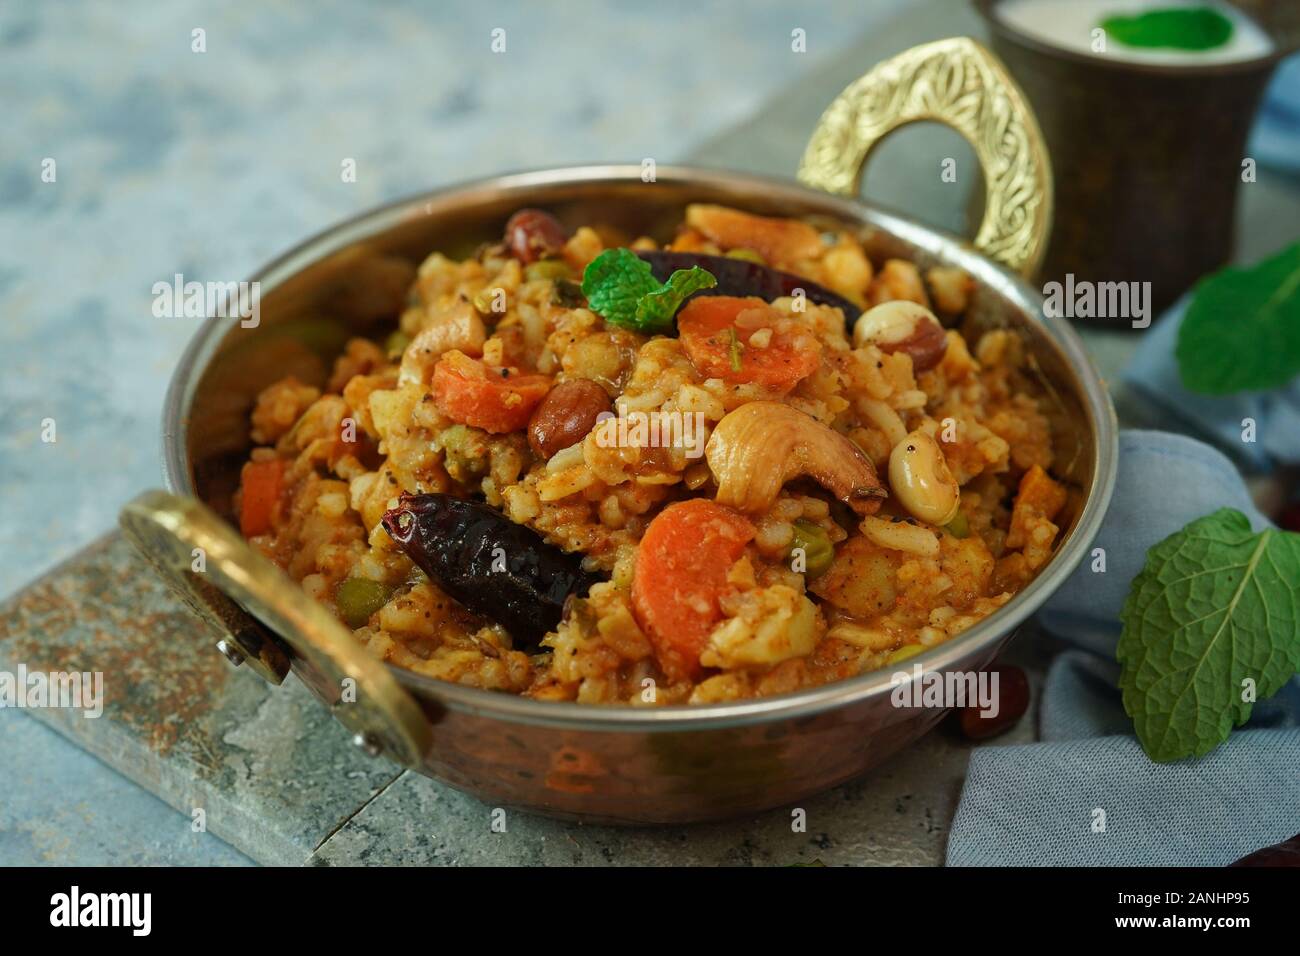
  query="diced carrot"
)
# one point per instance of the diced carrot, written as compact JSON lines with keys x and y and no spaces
{"x":779,"y":241}
{"x":1039,"y":497}
{"x":496,"y":400}
{"x":263,"y":484}
{"x":681,"y":570}
{"x":718,"y":347}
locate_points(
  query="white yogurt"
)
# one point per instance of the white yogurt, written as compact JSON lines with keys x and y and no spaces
{"x":1072,"y":25}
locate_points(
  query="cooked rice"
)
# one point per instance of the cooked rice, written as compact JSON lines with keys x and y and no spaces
{"x":895,"y":582}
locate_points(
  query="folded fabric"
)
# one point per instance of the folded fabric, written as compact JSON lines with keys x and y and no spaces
{"x":1087,"y":794}
{"x":1164,"y":481}
{"x":1079,"y":700}
{"x":1102,"y":802}
{"x":1275,"y":140}
{"x":1153,"y":373}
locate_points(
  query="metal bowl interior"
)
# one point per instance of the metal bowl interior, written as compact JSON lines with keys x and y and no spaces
{"x":351,"y":280}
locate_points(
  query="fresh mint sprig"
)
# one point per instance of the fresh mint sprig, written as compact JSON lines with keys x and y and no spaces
{"x":1186,"y":28}
{"x":621,"y":288}
{"x":1211,"y":624}
{"x":1242,"y":328}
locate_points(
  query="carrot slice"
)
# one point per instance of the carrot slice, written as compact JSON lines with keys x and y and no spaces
{"x":1038,"y":497}
{"x":681,"y":570}
{"x":719,"y":348}
{"x":263,"y":484}
{"x":494,"y":399}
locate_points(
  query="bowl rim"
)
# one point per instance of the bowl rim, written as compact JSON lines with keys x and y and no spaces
{"x":1094,"y":397}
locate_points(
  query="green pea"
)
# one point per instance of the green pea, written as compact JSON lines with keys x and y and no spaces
{"x":396,"y":343}
{"x":818,"y":552}
{"x":465,"y":454}
{"x":455,"y":438}
{"x":746,"y":255}
{"x":904,"y":652}
{"x":358,"y":598}
{"x":547,"y":269}
{"x":490,"y":302}
{"x":567,"y":294}
{"x":958,"y":527}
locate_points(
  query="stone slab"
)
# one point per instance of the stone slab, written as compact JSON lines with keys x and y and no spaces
{"x":274,"y":774}
{"x":76,"y":808}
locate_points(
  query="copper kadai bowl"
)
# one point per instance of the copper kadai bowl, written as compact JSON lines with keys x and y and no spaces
{"x":602,"y":763}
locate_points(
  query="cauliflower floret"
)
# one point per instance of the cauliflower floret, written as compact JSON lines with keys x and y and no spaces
{"x":769,"y":625}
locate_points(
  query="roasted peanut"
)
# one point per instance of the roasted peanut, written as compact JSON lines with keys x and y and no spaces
{"x":902,"y":326}
{"x":532,"y":234}
{"x":567,"y":413}
{"x":921,"y":480}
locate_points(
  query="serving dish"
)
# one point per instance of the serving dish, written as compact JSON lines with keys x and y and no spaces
{"x":617,"y":764}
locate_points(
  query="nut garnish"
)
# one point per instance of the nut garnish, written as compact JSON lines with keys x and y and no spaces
{"x":760,"y":446}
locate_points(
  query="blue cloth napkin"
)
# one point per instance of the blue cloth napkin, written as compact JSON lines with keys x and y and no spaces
{"x":1275,"y":140}
{"x":1045,"y":804}
{"x":1153,"y":373}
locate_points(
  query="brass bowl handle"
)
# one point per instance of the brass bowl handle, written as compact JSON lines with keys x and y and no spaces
{"x":243,"y":594}
{"x":961,"y":84}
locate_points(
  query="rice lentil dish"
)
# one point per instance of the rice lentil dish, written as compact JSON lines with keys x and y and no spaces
{"x":854,"y":492}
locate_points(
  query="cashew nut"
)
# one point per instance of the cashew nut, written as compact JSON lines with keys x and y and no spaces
{"x":456,"y":327}
{"x":760,"y":446}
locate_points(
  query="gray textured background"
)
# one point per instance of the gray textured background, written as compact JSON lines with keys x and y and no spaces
{"x":210,"y":164}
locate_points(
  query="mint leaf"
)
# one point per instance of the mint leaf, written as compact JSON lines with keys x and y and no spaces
{"x":1214,"y":605}
{"x":614,"y":283}
{"x":1242,"y":329}
{"x":620,"y":287}
{"x":656,"y":309}
{"x":1182,"y":28}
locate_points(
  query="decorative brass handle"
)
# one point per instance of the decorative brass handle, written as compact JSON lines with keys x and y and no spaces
{"x":242,"y":593}
{"x":959,"y":83}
